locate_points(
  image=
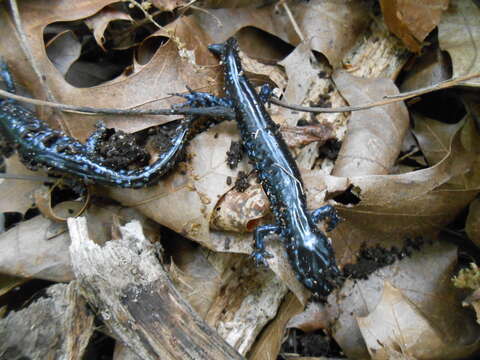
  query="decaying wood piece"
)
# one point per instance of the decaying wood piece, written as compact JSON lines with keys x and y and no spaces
{"x":39,"y":247}
{"x":137,"y":301}
{"x":56,"y":326}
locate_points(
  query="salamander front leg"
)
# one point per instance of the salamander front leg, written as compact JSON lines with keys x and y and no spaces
{"x":260,"y":255}
{"x":265,"y":93}
{"x":203,"y":99}
{"x":327,"y":211}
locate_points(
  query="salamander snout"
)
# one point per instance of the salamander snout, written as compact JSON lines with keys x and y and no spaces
{"x":217,"y":49}
{"x":312,"y":258}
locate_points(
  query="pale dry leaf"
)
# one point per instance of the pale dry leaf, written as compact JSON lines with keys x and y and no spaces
{"x":330,"y":27}
{"x":425,"y":280}
{"x":38,"y":247}
{"x":374,"y":136}
{"x":270,"y":340}
{"x":63,"y":50}
{"x":459,"y":35}
{"x":434,"y":137}
{"x":431,"y":68}
{"x":169,"y":5}
{"x":17,"y":194}
{"x":393,"y":207}
{"x":472,"y":225}
{"x":311,"y":85}
{"x":100,"y":21}
{"x":194,"y":276}
{"x":397,"y":323}
{"x":412,"y":20}
{"x":231,"y":3}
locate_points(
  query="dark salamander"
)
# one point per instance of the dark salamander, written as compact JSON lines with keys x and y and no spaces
{"x":39,"y":145}
{"x":309,"y":250}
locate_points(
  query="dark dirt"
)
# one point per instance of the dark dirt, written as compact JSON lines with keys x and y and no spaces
{"x":370,"y":259}
{"x":235,"y":154}
{"x":310,"y":344}
{"x":241,"y":183}
{"x":330,"y":149}
{"x":120,"y":150}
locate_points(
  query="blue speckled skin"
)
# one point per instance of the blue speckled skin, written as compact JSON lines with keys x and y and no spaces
{"x":309,"y":250}
{"x":39,"y":145}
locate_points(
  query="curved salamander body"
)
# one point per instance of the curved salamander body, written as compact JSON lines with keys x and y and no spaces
{"x":38,"y":144}
{"x":309,"y":250}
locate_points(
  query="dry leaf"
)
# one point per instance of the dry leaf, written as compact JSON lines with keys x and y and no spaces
{"x":38,"y":248}
{"x":330,"y":27}
{"x":459,"y":35}
{"x":374,"y":136}
{"x":393,"y":207}
{"x":63,"y":50}
{"x":434,"y":137}
{"x":17,"y":194}
{"x":411,"y":20}
{"x":431,"y":68}
{"x":396,"y":323}
{"x":268,"y":343}
{"x":168,"y":5}
{"x":423,"y":279}
{"x":100,"y":21}
{"x":167,"y":72}
{"x":472,"y":225}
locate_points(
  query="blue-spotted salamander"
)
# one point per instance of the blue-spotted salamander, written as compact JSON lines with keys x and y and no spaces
{"x":309,"y":250}
{"x":39,"y":145}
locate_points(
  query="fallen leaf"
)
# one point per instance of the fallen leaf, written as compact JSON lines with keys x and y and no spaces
{"x":63,"y":50}
{"x":17,"y":194}
{"x":432,"y":67}
{"x":459,"y":35}
{"x":329,"y":27}
{"x":472,"y":225}
{"x":393,"y":207}
{"x":100,"y":21}
{"x":374,"y":136}
{"x":411,"y":20}
{"x":434,"y":137}
{"x":396,"y":323}
{"x":268,"y":343}
{"x":38,"y":247}
{"x":424,"y":282}
{"x":149,"y":86}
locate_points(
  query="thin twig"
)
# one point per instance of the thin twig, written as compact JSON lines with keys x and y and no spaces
{"x":28,"y":177}
{"x":389,"y":99}
{"x":221,"y":111}
{"x":24,"y":45}
{"x":293,"y":21}
{"x":215,"y":111}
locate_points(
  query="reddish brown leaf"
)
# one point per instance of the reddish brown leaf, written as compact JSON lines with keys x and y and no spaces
{"x":412,"y":20}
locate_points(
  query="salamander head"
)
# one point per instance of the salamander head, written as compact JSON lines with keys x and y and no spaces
{"x":313,"y":260}
{"x":221,"y":50}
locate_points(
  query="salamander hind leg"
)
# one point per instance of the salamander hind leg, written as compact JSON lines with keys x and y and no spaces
{"x":327,"y":211}
{"x":260,"y":254}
